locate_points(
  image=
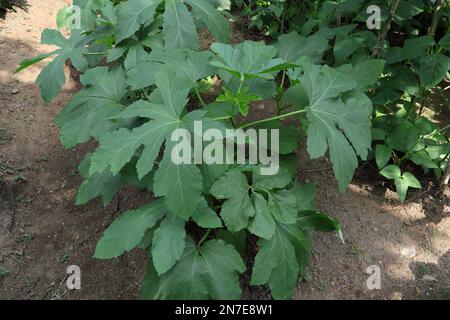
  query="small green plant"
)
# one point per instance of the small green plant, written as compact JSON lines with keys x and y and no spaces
{"x":4,"y":272}
{"x":400,"y":140}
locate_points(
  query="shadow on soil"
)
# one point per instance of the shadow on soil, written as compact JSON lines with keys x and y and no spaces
{"x":7,"y":5}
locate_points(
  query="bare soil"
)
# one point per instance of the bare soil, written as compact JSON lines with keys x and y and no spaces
{"x":42,"y":231}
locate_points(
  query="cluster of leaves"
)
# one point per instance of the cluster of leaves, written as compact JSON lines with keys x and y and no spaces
{"x":131,"y":27}
{"x":401,"y":133}
{"x":415,"y":50}
{"x":274,"y":208}
{"x":266,"y":16}
{"x":416,"y":63}
{"x":400,"y":139}
{"x":142,"y":79}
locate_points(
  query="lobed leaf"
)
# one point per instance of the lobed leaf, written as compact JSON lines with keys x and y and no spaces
{"x":127,"y":231}
{"x":132,"y":14}
{"x":248,"y":60}
{"x":168,"y":243}
{"x":88,"y":112}
{"x":237,"y":208}
{"x":328,"y":112}
{"x":52,"y":78}
{"x":179,"y":26}
{"x":208,"y":272}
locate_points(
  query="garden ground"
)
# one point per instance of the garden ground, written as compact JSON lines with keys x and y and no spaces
{"x":42,"y":231}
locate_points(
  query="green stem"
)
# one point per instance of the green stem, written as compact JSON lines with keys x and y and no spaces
{"x":280,"y":98}
{"x":285,"y":115}
{"x":443,"y":129}
{"x":283,"y":77}
{"x":338,"y":14}
{"x":240,"y":84}
{"x":258,"y":189}
{"x":436,"y":15}
{"x":95,"y":53}
{"x":283,"y":18}
{"x":422,"y":104}
{"x":395,"y":158}
{"x":204,"y":237}
{"x":232,"y":120}
{"x":147,"y":97}
{"x":234,"y":105}
{"x":386,"y":28}
{"x":222,"y":118}
{"x":284,"y":107}
{"x":441,"y":92}
{"x":199,"y":97}
{"x":408,"y":153}
{"x":405,"y":156}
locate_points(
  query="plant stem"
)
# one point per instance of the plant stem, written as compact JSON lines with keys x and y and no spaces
{"x":234,"y":105}
{"x":283,"y":18}
{"x":441,"y":92}
{"x":422,"y":104}
{"x":221,"y":118}
{"x":387,"y":26}
{"x":95,"y":53}
{"x":443,"y":129}
{"x":147,"y":97}
{"x":408,"y":153}
{"x":233,"y":122}
{"x":240,"y":84}
{"x":284,"y":107}
{"x":338,"y":14}
{"x":259,"y":189}
{"x":199,"y":97}
{"x":280,"y":98}
{"x":412,"y":112}
{"x":283,"y":77}
{"x":204,"y":237}
{"x":436,"y":16}
{"x":285,"y":115}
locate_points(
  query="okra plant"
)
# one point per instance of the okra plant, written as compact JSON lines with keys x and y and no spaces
{"x":144,"y":79}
